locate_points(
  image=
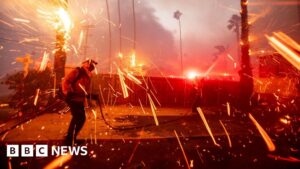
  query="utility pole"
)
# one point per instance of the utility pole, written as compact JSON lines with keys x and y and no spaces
{"x":109,"y":38}
{"x":86,"y":29}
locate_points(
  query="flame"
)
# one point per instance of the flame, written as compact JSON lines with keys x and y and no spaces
{"x":120,"y":55}
{"x":133,"y":60}
{"x":59,"y":18}
{"x":64,"y":20}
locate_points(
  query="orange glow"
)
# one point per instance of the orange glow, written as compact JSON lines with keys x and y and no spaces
{"x":284,"y":121}
{"x":123,"y":84}
{"x":44,"y":61}
{"x":59,"y":19}
{"x":64,"y":20}
{"x":227,"y":134}
{"x":278,"y":3}
{"x":192,"y":75}
{"x":21,"y":20}
{"x":153,"y":109}
{"x":36,"y":96}
{"x":120,"y":55}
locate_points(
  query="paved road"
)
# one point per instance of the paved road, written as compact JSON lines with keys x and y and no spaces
{"x":142,"y":144}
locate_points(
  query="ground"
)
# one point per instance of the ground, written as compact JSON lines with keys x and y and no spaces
{"x":134,"y":141}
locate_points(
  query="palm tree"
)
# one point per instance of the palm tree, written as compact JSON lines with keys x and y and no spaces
{"x":246,"y":80}
{"x":235,"y":24}
{"x":177,"y":15}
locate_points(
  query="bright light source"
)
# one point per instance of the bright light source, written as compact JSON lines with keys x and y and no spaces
{"x":192,"y":75}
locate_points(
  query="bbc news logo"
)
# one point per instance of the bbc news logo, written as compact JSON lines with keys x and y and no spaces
{"x":42,"y":150}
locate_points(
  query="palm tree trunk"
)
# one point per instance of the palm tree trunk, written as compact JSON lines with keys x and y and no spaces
{"x":246,"y":80}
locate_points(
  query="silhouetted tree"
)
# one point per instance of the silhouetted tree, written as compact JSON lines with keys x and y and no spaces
{"x":234,"y":24}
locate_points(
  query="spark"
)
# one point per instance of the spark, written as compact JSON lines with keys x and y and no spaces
{"x":80,"y":39}
{"x":83,"y":89}
{"x":227,"y":134}
{"x":4,"y":105}
{"x":285,"y":121}
{"x":96,"y":71}
{"x":134,"y":79}
{"x":6,"y":23}
{"x":133,"y":152}
{"x":265,"y":136}
{"x":75,"y":50}
{"x":133,"y":60}
{"x":142,"y":106}
{"x":64,"y":19}
{"x":155,"y":98}
{"x":9,"y":163}
{"x":36,"y":97}
{"x":44,"y":62}
{"x":95,"y":117}
{"x":257,"y":80}
{"x":290,"y":55}
{"x":228,"y":108}
{"x":21,"y":20}
{"x":289,"y":159}
{"x":230,"y":57}
{"x":289,"y":41}
{"x":153,"y":109}
{"x":58,"y":162}
{"x":54,"y":85}
{"x":206,"y":125}
{"x":141,"y":133}
{"x":182,"y":150}
{"x":101,"y":94}
{"x":122,"y":82}
{"x":278,"y":3}
{"x":192,"y":75}
{"x":4,"y":135}
{"x":210,"y":68}
{"x":29,"y":40}
{"x":120,"y":55}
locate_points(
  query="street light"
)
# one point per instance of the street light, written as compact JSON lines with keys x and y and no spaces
{"x":177,"y":15}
